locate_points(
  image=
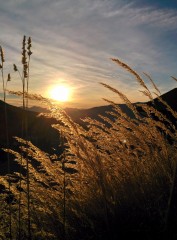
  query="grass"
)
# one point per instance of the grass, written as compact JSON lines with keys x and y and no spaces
{"x":110,"y":179}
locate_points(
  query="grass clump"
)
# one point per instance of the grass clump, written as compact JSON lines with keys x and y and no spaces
{"x":113,"y":177}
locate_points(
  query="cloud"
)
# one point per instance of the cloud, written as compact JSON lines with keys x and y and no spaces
{"x":135,"y":16}
{"x":73,"y":41}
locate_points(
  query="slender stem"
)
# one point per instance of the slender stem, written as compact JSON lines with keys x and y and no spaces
{"x":64,"y":187}
{"x":27,"y":160}
{"x":7,"y":146}
{"x":64,"y":203}
{"x":2,"y":75}
{"x":21,"y":157}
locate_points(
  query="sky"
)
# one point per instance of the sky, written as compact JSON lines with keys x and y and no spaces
{"x":73,"y":42}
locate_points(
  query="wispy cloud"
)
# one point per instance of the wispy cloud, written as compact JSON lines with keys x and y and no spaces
{"x":73,"y":41}
{"x":135,"y":16}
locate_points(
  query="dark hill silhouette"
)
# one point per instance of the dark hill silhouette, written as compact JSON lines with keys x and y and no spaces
{"x":38,"y":109}
{"x":170,"y":98}
{"x":39,"y":128}
{"x":38,"y":125}
{"x":77,"y":114}
{"x":39,"y":131}
{"x":45,"y":137}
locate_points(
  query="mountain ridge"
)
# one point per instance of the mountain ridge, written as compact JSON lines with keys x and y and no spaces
{"x":77,"y":114}
{"x":44,"y":136}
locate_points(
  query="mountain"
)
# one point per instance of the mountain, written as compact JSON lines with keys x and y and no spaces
{"x":38,"y":109}
{"x":77,"y":114}
{"x":170,"y":98}
{"x":39,"y":131}
{"x":36,"y":124}
{"x":39,"y":128}
{"x":45,"y":137}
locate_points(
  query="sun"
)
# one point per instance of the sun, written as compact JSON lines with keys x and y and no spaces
{"x":60,"y":93}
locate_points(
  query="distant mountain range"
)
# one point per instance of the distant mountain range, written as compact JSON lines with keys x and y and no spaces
{"x":44,"y":136}
{"x":40,"y":126}
{"x":77,"y":114}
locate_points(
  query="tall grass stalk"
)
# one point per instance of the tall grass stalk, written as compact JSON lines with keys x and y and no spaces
{"x":63,"y":161}
{"x":26,"y":54}
{"x":4,"y":83}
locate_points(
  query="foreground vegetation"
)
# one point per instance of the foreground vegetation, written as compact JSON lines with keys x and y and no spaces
{"x":111,"y":178}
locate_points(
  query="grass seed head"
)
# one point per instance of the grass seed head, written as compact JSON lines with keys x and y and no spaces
{"x":8,"y":78}
{"x":15,"y":68}
{"x":2,"y":54}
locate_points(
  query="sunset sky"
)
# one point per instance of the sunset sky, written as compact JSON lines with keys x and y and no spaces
{"x":73,"y":41}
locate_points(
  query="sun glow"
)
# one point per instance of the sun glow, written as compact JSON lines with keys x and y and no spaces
{"x":60,"y":93}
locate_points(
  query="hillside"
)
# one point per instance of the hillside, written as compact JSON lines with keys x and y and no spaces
{"x":39,"y":131}
{"x":170,"y":98}
{"x":77,"y":114}
{"x":45,"y":137}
